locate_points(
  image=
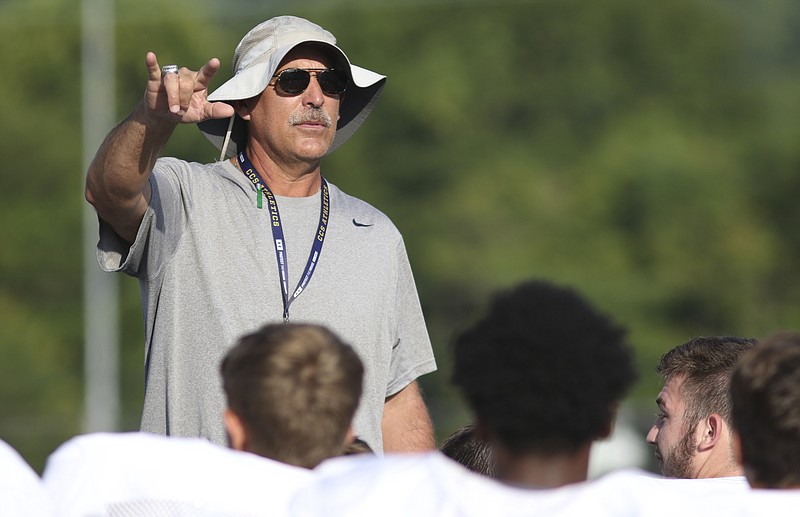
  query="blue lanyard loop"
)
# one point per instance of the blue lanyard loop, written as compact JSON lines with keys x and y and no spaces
{"x":278,"y":238}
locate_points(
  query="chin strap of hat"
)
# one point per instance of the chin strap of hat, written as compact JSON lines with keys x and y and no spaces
{"x":227,"y":138}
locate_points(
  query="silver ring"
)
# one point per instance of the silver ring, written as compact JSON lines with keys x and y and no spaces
{"x":169,"y":69}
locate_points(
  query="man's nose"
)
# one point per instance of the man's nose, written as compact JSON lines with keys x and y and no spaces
{"x":313,"y":94}
{"x":651,"y":435}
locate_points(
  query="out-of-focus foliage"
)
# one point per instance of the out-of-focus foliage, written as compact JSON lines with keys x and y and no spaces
{"x":645,"y":153}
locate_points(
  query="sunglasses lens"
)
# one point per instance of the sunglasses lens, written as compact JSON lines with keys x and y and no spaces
{"x":294,"y":81}
{"x":332,"y":81}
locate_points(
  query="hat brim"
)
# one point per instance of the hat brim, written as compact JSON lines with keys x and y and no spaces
{"x":362,"y":93}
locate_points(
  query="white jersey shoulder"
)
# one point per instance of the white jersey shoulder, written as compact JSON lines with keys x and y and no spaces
{"x":433,"y":485}
{"x":146,"y":474}
{"x":21,"y":491}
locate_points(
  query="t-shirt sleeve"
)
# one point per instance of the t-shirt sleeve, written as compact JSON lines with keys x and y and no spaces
{"x":160,"y":229}
{"x":412,"y":354}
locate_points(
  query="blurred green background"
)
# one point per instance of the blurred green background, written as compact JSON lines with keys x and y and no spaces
{"x":645,"y":153}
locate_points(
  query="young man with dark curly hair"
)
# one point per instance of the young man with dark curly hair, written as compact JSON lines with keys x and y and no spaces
{"x":544,"y":372}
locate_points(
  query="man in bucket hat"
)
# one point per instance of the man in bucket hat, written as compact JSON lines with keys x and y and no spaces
{"x":204,"y":240}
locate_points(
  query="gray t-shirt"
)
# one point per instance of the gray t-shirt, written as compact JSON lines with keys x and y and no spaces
{"x":205,"y":260}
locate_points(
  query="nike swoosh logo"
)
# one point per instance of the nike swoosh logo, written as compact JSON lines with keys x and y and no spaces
{"x":356,"y":223}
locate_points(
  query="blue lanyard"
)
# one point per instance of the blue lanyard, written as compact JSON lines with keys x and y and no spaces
{"x":277,"y":234}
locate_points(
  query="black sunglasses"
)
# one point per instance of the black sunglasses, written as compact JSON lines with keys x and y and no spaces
{"x":295,"y":80}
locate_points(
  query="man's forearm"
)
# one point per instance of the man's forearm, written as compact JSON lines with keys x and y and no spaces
{"x":117,"y":180}
{"x":406,"y":424}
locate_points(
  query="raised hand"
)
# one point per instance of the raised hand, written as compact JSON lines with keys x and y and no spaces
{"x":182,"y":97}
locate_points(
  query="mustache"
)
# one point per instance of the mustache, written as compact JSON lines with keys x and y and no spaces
{"x":311,"y":115}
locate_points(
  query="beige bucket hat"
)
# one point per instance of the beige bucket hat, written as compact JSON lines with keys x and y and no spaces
{"x":254,"y":63}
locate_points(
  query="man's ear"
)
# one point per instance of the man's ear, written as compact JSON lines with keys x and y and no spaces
{"x":349,"y":436}
{"x":243,"y":107}
{"x":713,"y":428}
{"x":236,"y":431}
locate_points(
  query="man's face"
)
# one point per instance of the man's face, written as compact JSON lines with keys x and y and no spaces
{"x":295,"y":128}
{"x":673,"y":440}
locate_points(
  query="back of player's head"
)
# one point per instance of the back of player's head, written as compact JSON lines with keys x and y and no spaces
{"x":295,"y":389}
{"x":543,"y":370}
{"x":765,"y":389}
{"x":705,"y":364}
{"x":468,"y":448}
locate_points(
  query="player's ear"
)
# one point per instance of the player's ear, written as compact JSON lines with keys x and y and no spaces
{"x":713,"y":427}
{"x":349,"y":436}
{"x":235,"y":429}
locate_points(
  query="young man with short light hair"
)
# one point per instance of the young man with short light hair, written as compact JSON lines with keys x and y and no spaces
{"x":292,"y":391}
{"x":692,"y":431}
